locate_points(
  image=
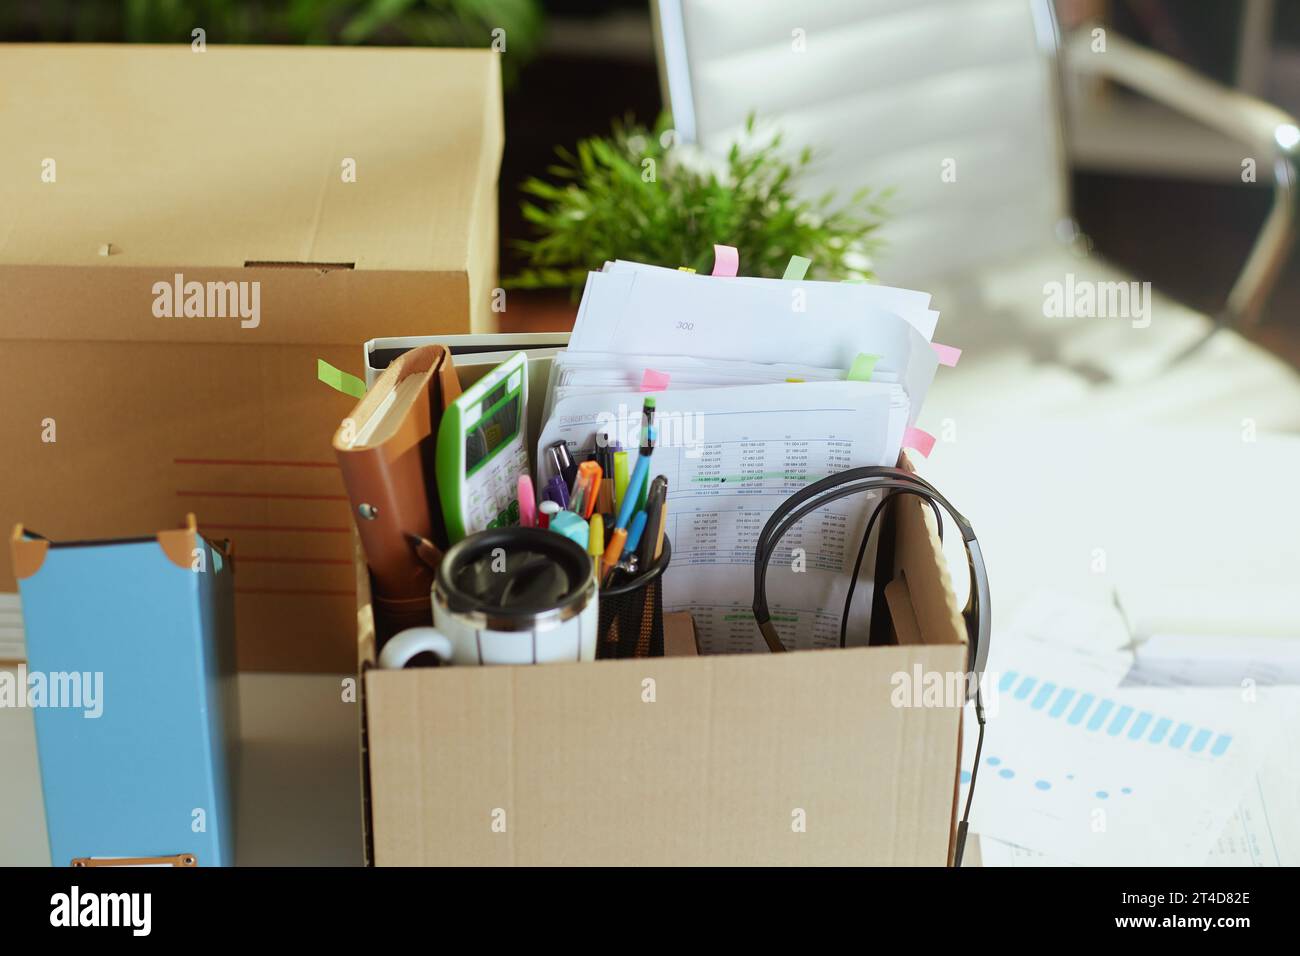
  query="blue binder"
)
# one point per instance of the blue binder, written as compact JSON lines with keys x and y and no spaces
{"x":146,"y":625}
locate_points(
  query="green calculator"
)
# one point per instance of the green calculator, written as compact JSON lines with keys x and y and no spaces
{"x":482,"y":451}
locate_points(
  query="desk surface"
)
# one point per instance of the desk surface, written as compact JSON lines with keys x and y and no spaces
{"x":299,"y":788}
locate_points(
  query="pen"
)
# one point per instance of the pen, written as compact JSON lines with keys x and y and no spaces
{"x":648,"y":435}
{"x":425,"y":550}
{"x":527,"y":502}
{"x":562,"y":463}
{"x":635,"y":483}
{"x":596,"y":539}
{"x":654,"y":513}
{"x":545,"y":512}
{"x":663,"y":523}
{"x":585,"y":489}
{"x":620,"y":478}
{"x":605,"y":458}
{"x":634,"y":534}
{"x":612,"y":553}
{"x":572,"y":527}
{"x":558,"y":491}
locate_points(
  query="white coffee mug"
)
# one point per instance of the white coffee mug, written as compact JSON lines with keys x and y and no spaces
{"x":476,"y":621}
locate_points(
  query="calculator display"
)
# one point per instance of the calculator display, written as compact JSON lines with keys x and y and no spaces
{"x":492,"y":431}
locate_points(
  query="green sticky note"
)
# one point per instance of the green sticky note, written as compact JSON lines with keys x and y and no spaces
{"x":862,"y":368}
{"x":797,"y":269}
{"x":339,"y":380}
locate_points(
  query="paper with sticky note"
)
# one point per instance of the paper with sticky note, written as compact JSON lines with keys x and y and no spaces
{"x":653,"y":381}
{"x":339,"y":380}
{"x":919,"y":440}
{"x":848,"y":297}
{"x":948,"y":355}
{"x":862,"y":367}
{"x":731,"y":456}
{"x":649,"y":311}
{"x":726,"y":260}
{"x":797,"y":268}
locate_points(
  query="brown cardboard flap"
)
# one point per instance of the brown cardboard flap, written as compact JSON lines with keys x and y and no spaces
{"x":901,"y":613}
{"x":179,"y":544}
{"x":220,"y":157}
{"x":919,"y":558}
{"x":28,"y":553}
{"x":386,"y":212}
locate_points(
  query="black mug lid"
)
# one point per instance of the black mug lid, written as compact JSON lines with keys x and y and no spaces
{"x":514,"y":572}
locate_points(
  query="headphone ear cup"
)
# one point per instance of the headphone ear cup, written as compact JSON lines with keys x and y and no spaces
{"x":891,"y":481}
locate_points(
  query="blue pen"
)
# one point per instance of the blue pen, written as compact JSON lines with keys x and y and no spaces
{"x":634,"y":533}
{"x":640,"y":474}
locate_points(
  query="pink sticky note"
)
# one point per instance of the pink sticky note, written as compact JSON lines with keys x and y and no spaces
{"x":920,"y":440}
{"x":726,"y":260}
{"x":652,"y":381}
{"x":947,"y":354}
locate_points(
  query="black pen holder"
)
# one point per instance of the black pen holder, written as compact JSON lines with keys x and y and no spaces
{"x":632,"y":614}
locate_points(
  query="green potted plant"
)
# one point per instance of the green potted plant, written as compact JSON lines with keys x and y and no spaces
{"x":639,"y":194}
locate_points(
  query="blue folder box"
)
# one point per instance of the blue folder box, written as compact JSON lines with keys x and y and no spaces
{"x":133,"y":642}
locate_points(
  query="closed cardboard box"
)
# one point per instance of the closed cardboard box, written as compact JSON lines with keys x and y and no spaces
{"x":182,"y":235}
{"x":764,"y":759}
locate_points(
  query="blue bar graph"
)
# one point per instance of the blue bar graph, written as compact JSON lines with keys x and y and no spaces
{"x":1078,"y":709}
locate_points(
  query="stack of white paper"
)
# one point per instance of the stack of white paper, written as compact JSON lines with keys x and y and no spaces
{"x":757,"y":405}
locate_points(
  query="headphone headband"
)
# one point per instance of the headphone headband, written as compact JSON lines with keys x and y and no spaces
{"x":891,"y":481}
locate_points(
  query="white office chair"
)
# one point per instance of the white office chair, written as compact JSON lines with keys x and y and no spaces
{"x":894,"y":93}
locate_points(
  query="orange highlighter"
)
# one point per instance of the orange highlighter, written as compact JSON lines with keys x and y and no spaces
{"x":585,"y":489}
{"x":614,"y":551}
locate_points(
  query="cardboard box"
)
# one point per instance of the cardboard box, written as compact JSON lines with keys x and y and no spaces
{"x":568,"y":764}
{"x":340,"y":192}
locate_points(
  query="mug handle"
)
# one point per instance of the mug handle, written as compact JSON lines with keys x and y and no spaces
{"x":400,"y":648}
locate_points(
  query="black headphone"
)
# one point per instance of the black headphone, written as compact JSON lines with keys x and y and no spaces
{"x":892,"y":481}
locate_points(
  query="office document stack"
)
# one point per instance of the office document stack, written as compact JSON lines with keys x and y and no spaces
{"x":762,"y":386}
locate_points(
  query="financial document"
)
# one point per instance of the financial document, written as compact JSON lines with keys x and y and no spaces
{"x":732,"y":456}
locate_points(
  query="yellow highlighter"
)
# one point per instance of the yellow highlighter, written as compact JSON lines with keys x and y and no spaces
{"x":596,"y":538}
{"x":621,"y":475}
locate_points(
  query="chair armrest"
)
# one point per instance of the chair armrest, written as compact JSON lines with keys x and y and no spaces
{"x":1266,"y":130}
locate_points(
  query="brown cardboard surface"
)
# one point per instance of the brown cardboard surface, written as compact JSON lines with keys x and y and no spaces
{"x":233,"y":155}
{"x":582,"y":769}
{"x":198,"y":163}
{"x":680,"y":639}
{"x":713,"y":771}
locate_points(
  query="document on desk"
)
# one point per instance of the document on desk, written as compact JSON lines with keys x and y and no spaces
{"x":1082,"y":768}
{"x":731,"y":456}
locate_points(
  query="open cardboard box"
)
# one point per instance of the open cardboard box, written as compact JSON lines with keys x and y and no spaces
{"x":741,"y":759}
{"x":128,"y":171}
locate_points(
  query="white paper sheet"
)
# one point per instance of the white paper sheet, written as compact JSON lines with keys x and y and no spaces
{"x":1079,"y":769}
{"x":657,"y":313}
{"x":731,"y":456}
{"x":912,"y":306}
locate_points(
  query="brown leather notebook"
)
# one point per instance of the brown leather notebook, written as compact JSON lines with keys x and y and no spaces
{"x":385,"y":449}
